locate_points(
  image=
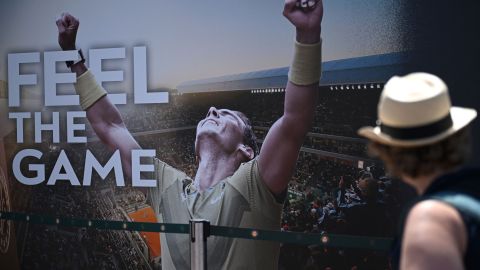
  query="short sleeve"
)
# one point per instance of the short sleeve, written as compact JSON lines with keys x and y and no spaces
{"x":249,"y":183}
{"x":165,"y":175}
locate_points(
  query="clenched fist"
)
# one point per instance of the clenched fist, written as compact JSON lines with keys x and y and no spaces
{"x":306,"y":16}
{"x":67,"y":31}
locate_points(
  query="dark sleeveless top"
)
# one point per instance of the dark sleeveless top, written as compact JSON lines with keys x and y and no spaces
{"x":465,"y":181}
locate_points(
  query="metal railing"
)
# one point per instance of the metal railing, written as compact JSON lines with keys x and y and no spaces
{"x":200,"y":230}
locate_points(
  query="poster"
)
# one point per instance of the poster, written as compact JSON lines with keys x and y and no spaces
{"x":168,"y":63}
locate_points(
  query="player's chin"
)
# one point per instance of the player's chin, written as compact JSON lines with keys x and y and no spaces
{"x":207,"y":131}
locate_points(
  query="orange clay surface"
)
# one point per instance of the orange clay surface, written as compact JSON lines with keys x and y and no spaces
{"x":153,"y":238}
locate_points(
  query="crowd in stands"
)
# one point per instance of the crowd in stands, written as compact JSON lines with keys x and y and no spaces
{"x":130,"y":199}
{"x":329,"y":196}
{"x":347,"y":147}
{"x":337,"y":112}
{"x":60,"y":247}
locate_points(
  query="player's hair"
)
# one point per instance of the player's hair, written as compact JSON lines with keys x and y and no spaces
{"x":249,"y":137}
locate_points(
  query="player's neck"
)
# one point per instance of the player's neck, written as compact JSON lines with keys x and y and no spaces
{"x":213,"y":168}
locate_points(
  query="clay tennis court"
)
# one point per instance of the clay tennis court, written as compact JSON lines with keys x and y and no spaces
{"x":152,"y":238}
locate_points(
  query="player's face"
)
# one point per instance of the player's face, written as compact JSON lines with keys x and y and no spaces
{"x":223,"y":126}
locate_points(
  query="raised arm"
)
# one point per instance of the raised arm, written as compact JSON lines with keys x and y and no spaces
{"x":101,"y":113}
{"x":280,"y":149}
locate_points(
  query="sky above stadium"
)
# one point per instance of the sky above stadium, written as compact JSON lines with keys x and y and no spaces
{"x":189,"y":40}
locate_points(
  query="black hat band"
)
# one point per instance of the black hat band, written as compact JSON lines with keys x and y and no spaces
{"x":420,"y":132}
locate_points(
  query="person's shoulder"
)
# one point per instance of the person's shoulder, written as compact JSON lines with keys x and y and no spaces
{"x":168,"y":173}
{"x":246,"y":167}
{"x":430,"y":211}
{"x":431,"y":221}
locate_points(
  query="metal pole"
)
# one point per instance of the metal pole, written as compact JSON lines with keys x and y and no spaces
{"x":199,"y":231}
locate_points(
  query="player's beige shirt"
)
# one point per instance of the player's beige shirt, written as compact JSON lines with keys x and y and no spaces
{"x":241,"y":200}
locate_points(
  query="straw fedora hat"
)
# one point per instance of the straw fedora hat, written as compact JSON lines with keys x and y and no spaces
{"x":415,"y":110}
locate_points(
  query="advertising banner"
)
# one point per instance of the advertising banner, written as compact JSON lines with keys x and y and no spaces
{"x":194,"y":90}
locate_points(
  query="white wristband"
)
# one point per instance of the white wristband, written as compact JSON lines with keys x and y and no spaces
{"x":88,"y":89}
{"x":306,"y":66}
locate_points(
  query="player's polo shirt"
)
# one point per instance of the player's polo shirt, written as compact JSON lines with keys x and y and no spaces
{"x":241,"y":200}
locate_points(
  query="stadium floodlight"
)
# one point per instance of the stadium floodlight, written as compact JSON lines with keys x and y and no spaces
{"x":378,"y":86}
{"x":365,"y":86}
{"x":371,"y":86}
{"x":341,"y":87}
{"x":331,"y":87}
{"x":336,"y":88}
{"x":348,"y":88}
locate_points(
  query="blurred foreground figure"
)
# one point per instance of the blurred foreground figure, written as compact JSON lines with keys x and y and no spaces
{"x":425,"y":141}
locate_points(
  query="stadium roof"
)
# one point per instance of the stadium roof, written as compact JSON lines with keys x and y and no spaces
{"x":366,"y":69}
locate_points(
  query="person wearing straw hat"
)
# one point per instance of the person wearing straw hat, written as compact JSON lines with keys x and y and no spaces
{"x":425,"y":141}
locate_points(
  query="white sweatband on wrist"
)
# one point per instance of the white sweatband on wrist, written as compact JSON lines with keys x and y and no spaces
{"x":306,"y":66}
{"x":88,"y":89}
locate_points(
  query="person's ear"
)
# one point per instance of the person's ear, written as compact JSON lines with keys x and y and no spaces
{"x":246,"y":151}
